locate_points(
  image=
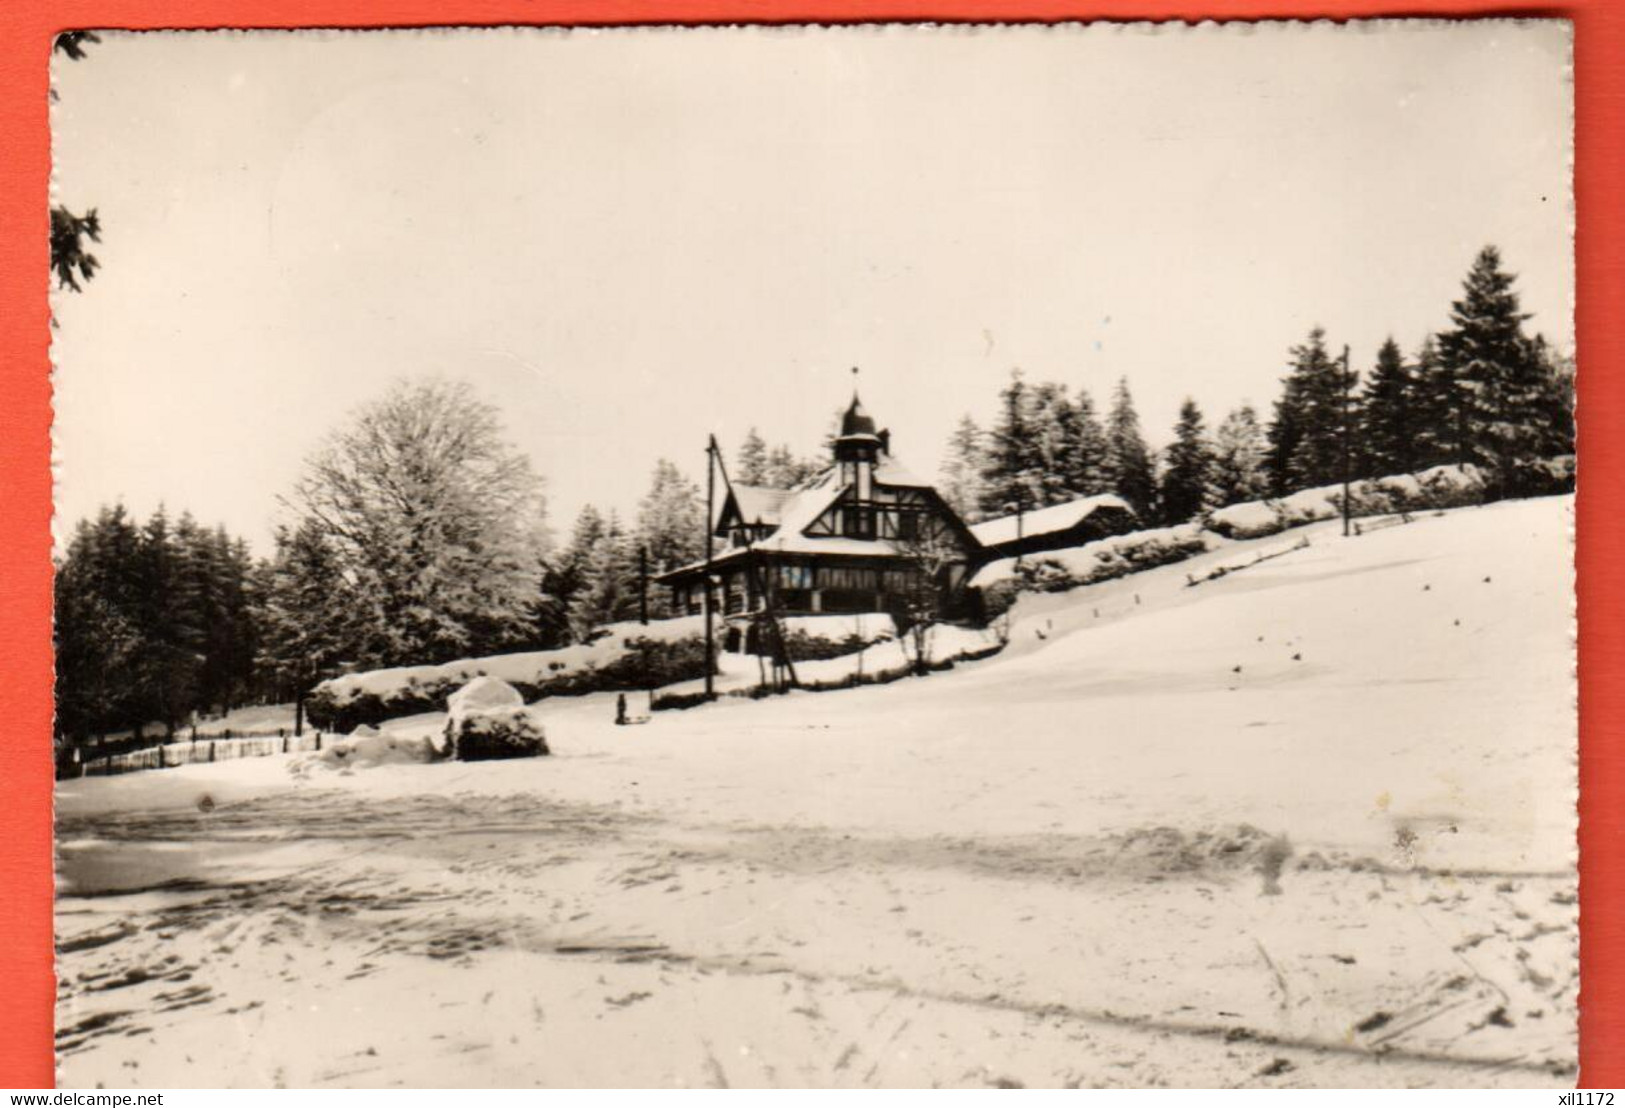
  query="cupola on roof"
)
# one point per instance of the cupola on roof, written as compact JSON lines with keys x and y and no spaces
{"x":857,"y":423}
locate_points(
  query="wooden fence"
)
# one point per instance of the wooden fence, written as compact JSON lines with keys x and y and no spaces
{"x":168,"y":755}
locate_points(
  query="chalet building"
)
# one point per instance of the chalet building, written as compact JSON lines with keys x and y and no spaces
{"x":1054,"y":528}
{"x":865,"y":535}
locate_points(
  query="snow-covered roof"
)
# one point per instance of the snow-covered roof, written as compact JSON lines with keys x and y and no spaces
{"x":1044,"y":521}
{"x":889,"y":471}
{"x":759,"y":504}
{"x":797,"y":543}
{"x":801,"y":510}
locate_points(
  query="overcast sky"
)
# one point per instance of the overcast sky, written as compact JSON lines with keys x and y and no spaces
{"x":630,"y":238}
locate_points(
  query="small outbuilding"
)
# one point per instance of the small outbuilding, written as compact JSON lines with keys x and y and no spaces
{"x":1054,"y":528}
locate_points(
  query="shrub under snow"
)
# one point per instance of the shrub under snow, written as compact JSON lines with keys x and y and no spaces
{"x":1431,"y":489}
{"x":623,"y":656}
{"x":486,"y":719}
{"x":1102,"y":560}
{"x":486,"y":733}
{"x":815,"y":638}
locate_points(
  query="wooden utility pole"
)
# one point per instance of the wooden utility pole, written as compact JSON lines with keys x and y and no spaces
{"x":643,"y":584}
{"x":710,"y":500}
{"x":1348,"y":441}
{"x":761,"y":584}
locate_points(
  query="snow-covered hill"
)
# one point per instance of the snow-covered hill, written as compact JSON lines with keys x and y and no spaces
{"x":1308,"y":821}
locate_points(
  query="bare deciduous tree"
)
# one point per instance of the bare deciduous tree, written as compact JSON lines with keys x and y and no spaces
{"x":436,"y":523}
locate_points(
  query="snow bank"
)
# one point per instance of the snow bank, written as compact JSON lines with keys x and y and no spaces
{"x":1102,"y":560}
{"x":1438,"y":488}
{"x":1430,"y":489}
{"x":482,"y":694}
{"x":622,"y":656}
{"x":812,"y":638}
{"x":945,"y":645}
{"x":366,"y":748}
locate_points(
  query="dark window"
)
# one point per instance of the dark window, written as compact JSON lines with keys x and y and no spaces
{"x":860,"y":523}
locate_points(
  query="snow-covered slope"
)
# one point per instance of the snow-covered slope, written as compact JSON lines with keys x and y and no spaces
{"x":1309,"y":821}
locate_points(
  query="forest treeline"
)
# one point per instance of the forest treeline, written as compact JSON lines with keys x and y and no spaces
{"x":1481,"y":391}
{"x":416,"y":534}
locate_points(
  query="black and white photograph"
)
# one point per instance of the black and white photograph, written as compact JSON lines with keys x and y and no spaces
{"x":897,"y":556}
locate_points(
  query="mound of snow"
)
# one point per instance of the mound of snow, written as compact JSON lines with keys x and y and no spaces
{"x":1247,"y":520}
{"x":483,"y":693}
{"x":1445,"y":486}
{"x":366,"y":748}
{"x":867,"y":626}
{"x":1101,"y":560}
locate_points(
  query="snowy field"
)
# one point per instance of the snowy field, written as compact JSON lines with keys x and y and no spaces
{"x":1308,"y":823}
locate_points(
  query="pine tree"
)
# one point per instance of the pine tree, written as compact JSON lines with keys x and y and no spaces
{"x":671,"y":527}
{"x":1324,"y":453}
{"x":1128,"y":460}
{"x":1387,"y":416}
{"x":1086,"y":466}
{"x":786,"y":471}
{"x":1436,"y":410}
{"x":566,"y":576}
{"x":1007,"y":480}
{"x":1557,"y":397}
{"x":1188,"y":467}
{"x":307,"y":611}
{"x":1052,"y":446}
{"x":1238,"y":473}
{"x":608,"y":591}
{"x":961,"y":470}
{"x":752,"y":462}
{"x":98,"y":637}
{"x":149,"y":623}
{"x":1307,"y":435}
{"x":1504,"y":386}
{"x":169,"y":670}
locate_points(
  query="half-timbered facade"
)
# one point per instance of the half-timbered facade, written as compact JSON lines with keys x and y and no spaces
{"x":863,"y":536}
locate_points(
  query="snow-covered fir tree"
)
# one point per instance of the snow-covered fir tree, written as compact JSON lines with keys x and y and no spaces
{"x":786,"y":471}
{"x":1008,"y":481}
{"x":1558,"y":419}
{"x":961,"y":470}
{"x":307,"y":610}
{"x":1238,"y":472}
{"x":566,"y":576}
{"x":1051,"y":452}
{"x":1504,"y":386}
{"x":1386,"y":442}
{"x":154,"y":621}
{"x":1437,"y":411}
{"x":608,"y":591}
{"x":1086,"y":467}
{"x":1187,"y":467}
{"x":670,"y":527}
{"x":751,"y":462}
{"x":1306,"y":436}
{"x":1128,"y":460}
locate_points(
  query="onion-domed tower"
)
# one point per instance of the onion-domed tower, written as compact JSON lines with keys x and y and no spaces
{"x":857,"y":449}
